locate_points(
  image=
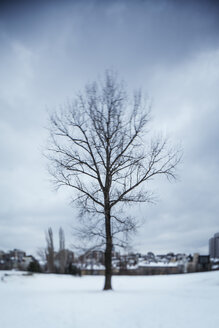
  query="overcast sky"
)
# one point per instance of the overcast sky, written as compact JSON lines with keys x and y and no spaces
{"x":49,"y":50}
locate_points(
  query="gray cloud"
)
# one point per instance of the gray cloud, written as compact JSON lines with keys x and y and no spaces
{"x":50,"y":50}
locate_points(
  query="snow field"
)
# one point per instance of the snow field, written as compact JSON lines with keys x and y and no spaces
{"x":61,"y":301}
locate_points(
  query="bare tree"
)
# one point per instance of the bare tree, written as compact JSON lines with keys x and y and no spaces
{"x":62,"y":251}
{"x":50,"y":250}
{"x":97,"y":148}
{"x":61,"y":239}
{"x":41,"y":252}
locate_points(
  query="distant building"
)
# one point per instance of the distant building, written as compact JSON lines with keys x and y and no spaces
{"x":214,"y":246}
{"x":26,"y":260}
{"x":199,"y":263}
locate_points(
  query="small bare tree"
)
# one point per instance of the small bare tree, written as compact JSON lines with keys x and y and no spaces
{"x":50,"y":250}
{"x":62,"y":251}
{"x":97,"y":149}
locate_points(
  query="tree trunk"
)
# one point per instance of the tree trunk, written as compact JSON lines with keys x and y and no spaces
{"x":108,"y":252}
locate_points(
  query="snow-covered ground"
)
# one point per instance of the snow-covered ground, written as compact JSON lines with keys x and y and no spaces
{"x":58,"y":301}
